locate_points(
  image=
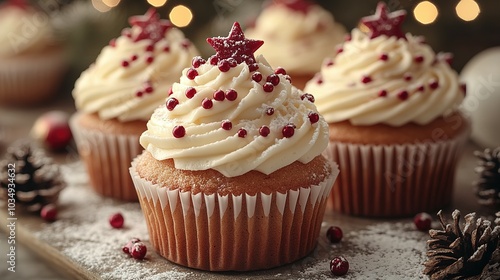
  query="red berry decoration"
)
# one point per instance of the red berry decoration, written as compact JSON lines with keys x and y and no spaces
{"x":52,"y":129}
{"x":231,"y":95}
{"x":170,"y":91}
{"x":134,"y":57}
{"x":280,"y":70}
{"x":242,"y":133}
{"x":403,"y":95}
{"x":366,"y":79}
{"x":151,"y":26}
{"x":49,"y":212}
{"x":223,"y":65}
{"x":407,"y":77}
{"x":190,"y":92}
{"x":288,"y":130}
{"x":384,"y":57}
{"x":128,"y":246}
{"x":138,"y":250}
{"x":382,"y":93}
{"x":268,"y":87}
{"x":226,"y":125}
{"x":270,"y":111}
{"x":197,"y":61}
{"x":219,"y":95}
{"x":150,"y":48}
{"x":273,"y":79}
{"x":232,"y":62}
{"x":308,"y":96}
{"x":172,"y":102}
{"x":125,"y":63}
{"x":422,"y":221}
{"x":207,"y":103}
{"x":213,"y":60}
{"x":334,"y":234}
{"x":264,"y":131}
{"x":116,"y":220}
{"x":179,"y":131}
{"x":385,"y":23}
{"x":419,"y":59}
{"x":434,"y":84}
{"x":191,"y":73}
{"x":339,"y":266}
{"x":253,"y":67}
{"x":313,"y":117}
{"x":257,"y":76}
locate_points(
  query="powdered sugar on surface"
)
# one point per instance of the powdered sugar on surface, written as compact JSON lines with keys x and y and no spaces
{"x":82,"y":234}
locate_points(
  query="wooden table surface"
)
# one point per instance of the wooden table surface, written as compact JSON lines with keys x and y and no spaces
{"x":42,"y":257}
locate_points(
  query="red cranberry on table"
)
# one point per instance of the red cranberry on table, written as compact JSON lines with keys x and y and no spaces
{"x":128,"y":246}
{"x":422,"y":221}
{"x":49,"y":212}
{"x":334,"y":234}
{"x":116,"y":220}
{"x":52,"y":129}
{"x":339,"y":266}
{"x":138,"y":250}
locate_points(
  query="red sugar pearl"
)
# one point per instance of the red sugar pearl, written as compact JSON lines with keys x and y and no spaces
{"x":308,"y":96}
{"x":382,"y":93}
{"x":269,"y":111}
{"x":339,"y":50}
{"x":403,"y":95}
{"x":197,"y":61}
{"x":280,"y":70}
{"x":268,"y":87}
{"x":422,"y":221}
{"x":186,"y":44}
{"x":366,"y":79}
{"x":273,"y":79}
{"x":421,"y":88}
{"x":463,"y":87}
{"x":264,"y":131}
{"x":288,"y":130}
{"x":125,"y":63}
{"x":170,"y":91}
{"x":150,"y":48}
{"x":190,"y":92}
{"x":313,"y":117}
{"x":116,"y":220}
{"x":112,"y":43}
{"x":407,"y":77}
{"x":213,"y":60}
{"x":171,"y":103}
{"x":419,"y":59}
{"x":149,"y":89}
{"x":329,"y":63}
{"x":232,"y":62}
{"x":348,"y":37}
{"x":288,"y":78}
{"x":150,"y":59}
{"x":207,"y":103}
{"x":384,"y":57}
{"x":178,"y":131}
{"x":319,"y":81}
{"x":139,"y":93}
{"x":134,"y":57}
{"x":226,"y":125}
{"x":191,"y":73}
{"x":219,"y":95}
{"x":257,"y":76}
{"x":434,"y":84}
{"x":166,"y":48}
{"x":231,"y":95}
{"x":253,"y":67}
{"x":223,"y":65}
{"x":242,"y":133}
{"x":339,"y":266}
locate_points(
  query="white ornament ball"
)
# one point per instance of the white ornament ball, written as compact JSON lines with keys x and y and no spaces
{"x":482,"y":102}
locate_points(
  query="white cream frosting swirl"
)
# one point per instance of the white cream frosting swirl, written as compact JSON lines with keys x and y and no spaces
{"x":419,"y":85}
{"x":295,"y":40}
{"x":23,"y":31}
{"x":110,"y":89}
{"x":208,"y":146}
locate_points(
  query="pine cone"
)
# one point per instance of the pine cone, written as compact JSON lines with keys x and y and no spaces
{"x":37,"y":179}
{"x":469,"y":253}
{"x":488,"y":184}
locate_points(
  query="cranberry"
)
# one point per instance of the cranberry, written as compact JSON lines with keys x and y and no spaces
{"x":319,"y":81}
{"x":186,"y":44}
{"x":339,"y":266}
{"x":197,"y":61}
{"x":339,"y":50}
{"x":407,"y":77}
{"x":253,"y":67}
{"x":134,"y":57}
{"x":125,"y":63}
{"x":231,"y":95}
{"x":422,"y":221}
{"x":148,"y":89}
{"x":264,"y":130}
{"x":172,"y":102}
{"x":166,"y":48}
{"x":150,"y":59}
{"x":232,"y":62}
{"x":242,"y":133}
{"x":52,"y":129}
{"x":434,"y":84}
{"x":170,"y":91}
{"x":138,"y":250}
{"x":308,"y":96}
{"x":403,"y":95}
{"x":191,"y":73}
{"x":179,"y":131}
{"x":213,"y":60}
{"x":421,"y":88}
{"x":49,"y":212}
{"x":384,"y":57}
{"x":268,"y":87}
{"x":366,"y":79}
{"x":313,"y":117}
{"x":419,"y":59}
{"x":150,"y":48}
{"x":334,"y":234}
{"x":269,"y":111}
{"x":139,"y":93}
{"x":257,"y":76}
{"x":190,"y":92}
{"x":329,"y":63}
{"x":127,"y":247}
{"x":116,"y":220}
{"x":288,"y":130}
{"x":219,"y":95}
{"x":288,"y":78}
{"x":226,"y":125}
{"x":382,"y":93}
{"x":280,"y":70}
{"x":207,"y":103}
{"x":223,"y":65}
{"x":273,"y":79}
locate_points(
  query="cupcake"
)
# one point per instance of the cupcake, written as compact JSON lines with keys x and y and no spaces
{"x":232,"y":163}
{"x":395,"y":128}
{"x":116,"y":96}
{"x":298,"y":45}
{"x":32,"y":62}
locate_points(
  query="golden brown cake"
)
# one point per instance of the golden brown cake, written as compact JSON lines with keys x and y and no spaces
{"x":116,"y":96}
{"x":395,"y":128}
{"x":233,"y":163}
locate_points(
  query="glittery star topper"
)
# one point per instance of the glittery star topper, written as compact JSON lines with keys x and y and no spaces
{"x":235,"y":45}
{"x":152,"y":27}
{"x":296,"y":5}
{"x":385,"y":23}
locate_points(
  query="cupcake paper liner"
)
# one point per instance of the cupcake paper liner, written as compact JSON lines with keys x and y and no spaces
{"x":32,"y":79}
{"x":394,"y":180}
{"x":107,"y":159}
{"x":223,"y":233}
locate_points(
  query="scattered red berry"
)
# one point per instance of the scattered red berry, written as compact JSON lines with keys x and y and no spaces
{"x":334,"y":234}
{"x":49,"y":212}
{"x":288,"y":130}
{"x":223,"y":65}
{"x":231,"y":95}
{"x":308,"y":96}
{"x":148,"y":89}
{"x":403,"y":95}
{"x":422,"y":221}
{"x":384,"y":57}
{"x":191,"y":73}
{"x":226,"y":125}
{"x":178,"y":131}
{"x":52,"y":129}
{"x":242,"y":133}
{"x":339,"y":266}
{"x":172,"y":102}
{"x":190,"y":92}
{"x":134,"y":57}
{"x":264,"y":131}
{"x":419,"y":59}
{"x":150,"y":59}
{"x":270,"y":111}
{"x":138,"y":250}
{"x":197,"y":61}
{"x":150,"y":48}
{"x":434,"y":84}
{"x":219,"y":95}
{"x":268,"y":87}
{"x":382,"y":93}
{"x":280,"y":70}
{"x":213,"y":60}
{"x":116,"y":220}
{"x":257,"y":76}
{"x":421,"y":88}
{"x":207,"y":103}
{"x":366,"y":79}
{"x":273,"y":79}
{"x":127,"y":247}
{"x":125,"y":63}
{"x":313,"y":117}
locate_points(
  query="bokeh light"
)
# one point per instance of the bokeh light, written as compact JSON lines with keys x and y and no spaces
{"x":425,"y":12}
{"x":181,"y":16}
{"x":467,"y":10}
{"x":111,"y":3}
{"x":100,"y":6}
{"x":157,"y":3}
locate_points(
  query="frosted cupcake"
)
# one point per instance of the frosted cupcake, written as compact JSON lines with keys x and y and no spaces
{"x":395,"y":129}
{"x":233,"y":163}
{"x":116,"y":96}
{"x":32,"y":63}
{"x":298,"y":45}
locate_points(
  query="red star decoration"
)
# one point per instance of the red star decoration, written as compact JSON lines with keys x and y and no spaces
{"x":152,"y":27}
{"x":296,"y":5}
{"x":384,"y":23}
{"x":21,"y":4}
{"x":235,"y":45}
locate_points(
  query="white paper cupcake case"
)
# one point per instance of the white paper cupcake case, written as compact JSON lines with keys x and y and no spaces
{"x":395,"y":180}
{"x":30,"y":80}
{"x":107,"y":159}
{"x":221,"y":233}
